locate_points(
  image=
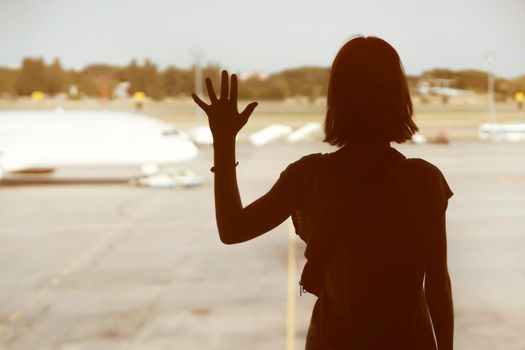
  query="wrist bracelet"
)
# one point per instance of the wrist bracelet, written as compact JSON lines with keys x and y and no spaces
{"x":223,"y":165}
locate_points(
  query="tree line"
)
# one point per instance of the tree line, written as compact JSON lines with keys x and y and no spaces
{"x":99,"y":80}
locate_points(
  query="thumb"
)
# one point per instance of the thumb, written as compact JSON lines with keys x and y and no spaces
{"x":248,"y":111}
{"x":200,"y":102}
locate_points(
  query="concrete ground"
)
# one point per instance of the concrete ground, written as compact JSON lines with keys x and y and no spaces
{"x":94,"y":266}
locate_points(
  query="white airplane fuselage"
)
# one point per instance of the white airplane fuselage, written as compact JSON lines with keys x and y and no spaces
{"x":32,"y":140}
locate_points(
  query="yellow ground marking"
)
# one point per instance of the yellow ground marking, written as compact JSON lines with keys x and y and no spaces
{"x":15,"y":316}
{"x":514,"y":177}
{"x":109,"y":234}
{"x":30,"y":302}
{"x":290,"y":302}
{"x":67,"y":271}
{"x":74,"y":265}
{"x":55,"y":281}
{"x":112,"y":232}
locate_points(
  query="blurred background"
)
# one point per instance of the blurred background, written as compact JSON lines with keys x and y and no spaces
{"x":107,"y":227}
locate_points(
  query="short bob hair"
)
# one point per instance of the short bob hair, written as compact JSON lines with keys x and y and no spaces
{"x":368,"y":99}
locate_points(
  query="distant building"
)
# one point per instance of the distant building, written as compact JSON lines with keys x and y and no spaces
{"x":121,"y":90}
{"x":254,"y":75}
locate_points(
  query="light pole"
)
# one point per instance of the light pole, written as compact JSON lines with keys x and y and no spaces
{"x":1,"y":170}
{"x":197,"y":56}
{"x":490,"y":57}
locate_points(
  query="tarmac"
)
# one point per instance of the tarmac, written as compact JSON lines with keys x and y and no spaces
{"x":105,"y":265}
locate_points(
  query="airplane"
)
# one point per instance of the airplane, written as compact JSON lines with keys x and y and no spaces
{"x":512,"y":132}
{"x":41,"y":141}
{"x":440,"y":87}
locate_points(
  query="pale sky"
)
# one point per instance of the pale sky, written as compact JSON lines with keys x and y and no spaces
{"x":263,"y":35}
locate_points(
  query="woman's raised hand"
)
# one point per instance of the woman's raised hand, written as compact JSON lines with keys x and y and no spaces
{"x":224,"y":118}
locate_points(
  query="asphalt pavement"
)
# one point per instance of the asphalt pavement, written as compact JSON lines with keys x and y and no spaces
{"x":111,"y":266}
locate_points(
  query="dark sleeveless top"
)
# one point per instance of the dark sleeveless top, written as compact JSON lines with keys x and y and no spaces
{"x":371,"y":225}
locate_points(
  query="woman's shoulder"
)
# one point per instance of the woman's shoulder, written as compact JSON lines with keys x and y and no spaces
{"x":312,"y":157}
{"x":421,"y":167}
{"x":303,"y":170}
{"x":430,"y":177}
{"x":307,"y":161}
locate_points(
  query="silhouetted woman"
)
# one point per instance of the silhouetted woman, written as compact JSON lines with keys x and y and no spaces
{"x":373,"y":220}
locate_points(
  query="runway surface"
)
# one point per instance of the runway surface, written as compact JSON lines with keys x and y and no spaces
{"x":110,"y":266}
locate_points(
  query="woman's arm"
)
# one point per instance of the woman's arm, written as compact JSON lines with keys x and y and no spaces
{"x":438,"y":288}
{"x":235,"y":223}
